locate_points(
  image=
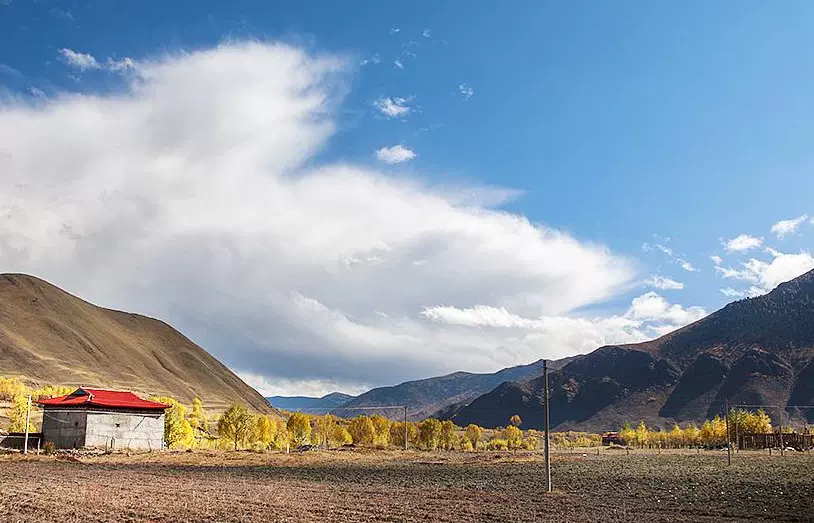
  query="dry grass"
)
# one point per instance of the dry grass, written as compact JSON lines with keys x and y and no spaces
{"x":394,"y":486}
{"x":48,"y":336}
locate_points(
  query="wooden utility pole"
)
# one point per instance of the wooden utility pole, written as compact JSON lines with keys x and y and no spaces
{"x":405,"y":427}
{"x":782,"y":446}
{"x":728,"y":439}
{"x":547,"y":428}
{"x":27,"y":421}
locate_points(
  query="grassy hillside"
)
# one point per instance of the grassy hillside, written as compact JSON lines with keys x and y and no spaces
{"x":50,"y":336}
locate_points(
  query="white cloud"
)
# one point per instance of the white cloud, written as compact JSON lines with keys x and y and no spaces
{"x":375,"y":58}
{"x":663,"y":283}
{"x":395,"y":154}
{"x":654,"y":308}
{"x":393,"y":107}
{"x":39,"y":93}
{"x":687,"y":266}
{"x":729,"y":292}
{"x":197,"y":193}
{"x":784,"y":228}
{"x":398,"y":64}
{"x":87,"y":62}
{"x":647,"y":247}
{"x":394,"y":30}
{"x":122,"y":65}
{"x":81,"y":61}
{"x":426,"y":33}
{"x":466,"y":91}
{"x":649,"y":315}
{"x":765,"y":276}
{"x":741,"y":243}
{"x":717,"y":260}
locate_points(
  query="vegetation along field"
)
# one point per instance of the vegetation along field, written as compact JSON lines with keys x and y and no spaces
{"x":371,"y":485}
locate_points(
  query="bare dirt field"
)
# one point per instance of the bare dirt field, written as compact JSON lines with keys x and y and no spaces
{"x":394,"y":486}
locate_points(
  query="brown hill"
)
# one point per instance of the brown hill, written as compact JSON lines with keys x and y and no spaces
{"x":48,"y":336}
{"x":757,"y":351}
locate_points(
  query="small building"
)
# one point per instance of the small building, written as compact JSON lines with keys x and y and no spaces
{"x":103,"y":418}
{"x":612,"y":438}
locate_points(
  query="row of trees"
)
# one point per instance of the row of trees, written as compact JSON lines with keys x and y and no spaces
{"x":710,"y":433}
{"x":238,"y":428}
{"x":13,"y":390}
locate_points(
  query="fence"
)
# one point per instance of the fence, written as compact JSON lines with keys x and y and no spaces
{"x":775,"y":440}
{"x":16,"y":440}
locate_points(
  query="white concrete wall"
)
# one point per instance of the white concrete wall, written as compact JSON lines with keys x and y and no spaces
{"x":125,"y":430}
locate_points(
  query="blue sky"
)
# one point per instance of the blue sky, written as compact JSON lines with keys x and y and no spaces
{"x":656,"y":132}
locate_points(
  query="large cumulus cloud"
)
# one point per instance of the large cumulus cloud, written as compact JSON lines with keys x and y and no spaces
{"x":195,"y":193}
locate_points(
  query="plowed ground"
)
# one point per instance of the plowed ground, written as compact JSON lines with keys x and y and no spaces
{"x":394,"y":486}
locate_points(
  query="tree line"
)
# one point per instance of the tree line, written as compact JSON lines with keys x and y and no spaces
{"x":711,"y":433}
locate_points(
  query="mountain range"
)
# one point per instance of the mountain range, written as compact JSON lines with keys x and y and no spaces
{"x":756,"y":351}
{"x":426,"y":397}
{"x":309,"y":404}
{"x":48,"y":336}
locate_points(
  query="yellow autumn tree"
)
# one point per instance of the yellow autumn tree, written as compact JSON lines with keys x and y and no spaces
{"x":397,"y":433}
{"x":197,"y":418}
{"x":642,"y":435}
{"x":473,"y":433}
{"x":692,"y":436}
{"x":10,"y":388}
{"x":362,"y":430}
{"x":263,"y":432}
{"x":627,"y":434}
{"x":748,"y":422}
{"x":321,"y":428}
{"x":675,"y":438}
{"x":429,"y":433}
{"x":178,"y":433}
{"x":282,"y":440}
{"x":235,"y":424}
{"x":381,"y":427}
{"x":17,"y":414}
{"x":51,"y":391}
{"x":513,"y":437}
{"x":447,"y":437}
{"x":339,"y":436}
{"x":299,"y":428}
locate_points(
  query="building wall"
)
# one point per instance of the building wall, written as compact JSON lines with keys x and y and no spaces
{"x":77,"y":428}
{"x":125,"y":430}
{"x":64,"y":428}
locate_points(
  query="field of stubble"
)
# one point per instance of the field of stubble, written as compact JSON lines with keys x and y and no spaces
{"x":394,"y":486}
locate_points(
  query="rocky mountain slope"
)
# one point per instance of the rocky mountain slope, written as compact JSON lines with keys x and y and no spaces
{"x":48,"y":336}
{"x":757,"y":351}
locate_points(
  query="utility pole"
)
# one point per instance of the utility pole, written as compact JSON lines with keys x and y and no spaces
{"x":728,"y":442}
{"x":405,"y":427}
{"x":547,"y":428}
{"x":737,"y":435}
{"x":27,"y":421}
{"x":782,"y":446}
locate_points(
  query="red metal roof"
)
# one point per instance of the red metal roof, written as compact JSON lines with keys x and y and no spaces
{"x":111,"y":399}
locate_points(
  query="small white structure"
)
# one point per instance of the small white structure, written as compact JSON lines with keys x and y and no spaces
{"x":103,"y":418}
